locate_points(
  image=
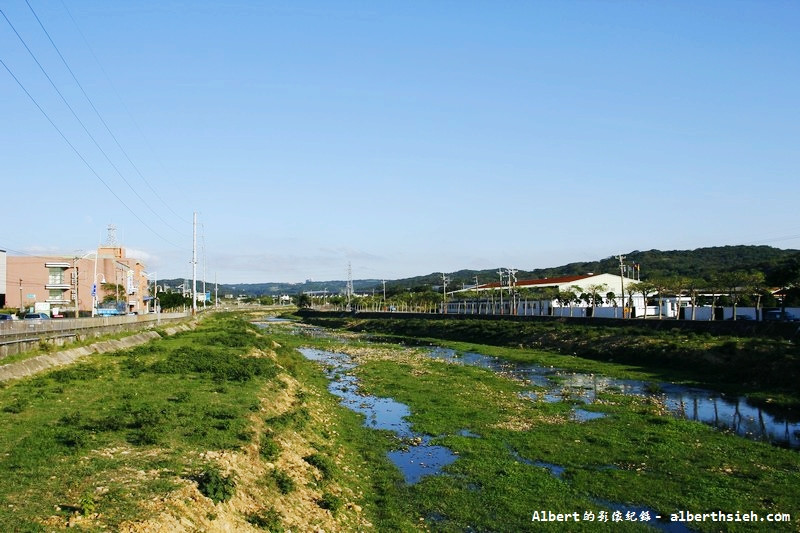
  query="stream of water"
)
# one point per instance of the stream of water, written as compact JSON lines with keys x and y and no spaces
{"x":417,"y":458}
{"x":732,"y":414}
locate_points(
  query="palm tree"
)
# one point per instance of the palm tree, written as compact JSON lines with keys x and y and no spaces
{"x":756,"y":284}
{"x":714,"y":285}
{"x":594,"y":290}
{"x":693,"y":286}
{"x":733,"y":282}
{"x":567,"y":296}
{"x":677,"y":285}
{"x":660,"y":285}
{"x":644,"y":288}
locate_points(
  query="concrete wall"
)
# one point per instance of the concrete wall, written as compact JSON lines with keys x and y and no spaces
{"x":22,"y":335}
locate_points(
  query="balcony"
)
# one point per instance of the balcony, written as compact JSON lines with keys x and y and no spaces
{"x":57,"y":286}
{"x":57,"y":264}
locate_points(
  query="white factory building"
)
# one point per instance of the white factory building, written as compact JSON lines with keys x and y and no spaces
{"x":520,"y":297}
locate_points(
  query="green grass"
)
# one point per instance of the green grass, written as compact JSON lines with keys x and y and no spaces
{"x":44,"y":347}
{"x":116,"y":430}
{"x":633,"y":456}
{"x":762,"y":368}
{"x":83,"y":428}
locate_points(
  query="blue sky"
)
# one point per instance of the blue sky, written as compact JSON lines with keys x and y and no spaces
{"x":402,"y":137}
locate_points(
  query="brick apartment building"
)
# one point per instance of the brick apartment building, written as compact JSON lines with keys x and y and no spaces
{"x":53,"y":284}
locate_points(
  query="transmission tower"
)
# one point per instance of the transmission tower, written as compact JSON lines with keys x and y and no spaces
{"x":349,"y":284}
{"x":111,"y":238}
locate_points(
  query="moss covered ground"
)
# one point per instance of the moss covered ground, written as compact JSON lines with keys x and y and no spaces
{"x":228,"y":428}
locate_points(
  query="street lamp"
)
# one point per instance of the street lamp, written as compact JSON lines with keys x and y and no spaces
{"x":94,"y":292}
{"x":78,"y":281}
{"x":155,"y":289}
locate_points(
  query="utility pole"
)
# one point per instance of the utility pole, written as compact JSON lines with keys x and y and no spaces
{"x":75,"y":265}
{"x":155,"y":298}
{"x":622,"y":284}
{"x":512,"y":283}
{"x":445,"y":279}
{"x":21,"y":309}
{"x":349,"y":288}
{"x":194,"y":264}
{"x":384,"y":291}
{"x":216,"y":291}
{"x":476,"y":306}
{"x":500,"y":271}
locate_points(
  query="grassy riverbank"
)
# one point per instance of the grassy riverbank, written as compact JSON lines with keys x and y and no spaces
{"x":206,"y":428}
{"x":762,"y":368}
{"x":636,"y":456}
{"x":227,"y":427}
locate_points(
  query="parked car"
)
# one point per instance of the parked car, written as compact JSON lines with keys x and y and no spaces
{"x":6,"y":316}
{"x":36,"y":316}
{"x":778,"y":315}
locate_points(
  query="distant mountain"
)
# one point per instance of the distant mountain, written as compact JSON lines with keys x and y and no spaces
{"x":275,"y":289}
{"x":701,"y":263}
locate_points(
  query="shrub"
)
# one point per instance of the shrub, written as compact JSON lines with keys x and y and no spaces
{"x":88,"y":505}
{"x":269,"y":449}
{"x":269,"y":519}
{"x":330,"y":502}
{"x":72,"y":437}
{"x":284,"y":483}
{"x":215,"y":486}
{"x":17,"y":406}
{"x":322,"y":463}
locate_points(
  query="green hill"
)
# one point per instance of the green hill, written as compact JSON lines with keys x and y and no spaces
{"x":699,"y":263}
{"x":702,"y":263}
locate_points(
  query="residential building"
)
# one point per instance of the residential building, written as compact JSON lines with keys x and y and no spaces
{"x":57,"y":284}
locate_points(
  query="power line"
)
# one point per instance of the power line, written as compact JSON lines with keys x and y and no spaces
{"x":130,"y":115}
{"x":99,"y":116}
{"x":80,"y":156}
{"x":74,"y":114}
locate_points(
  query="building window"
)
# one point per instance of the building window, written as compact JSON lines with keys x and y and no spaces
{"x":56,"y":276}
{"x":56,"y":294}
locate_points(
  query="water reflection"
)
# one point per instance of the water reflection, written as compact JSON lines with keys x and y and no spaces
{"x":418,"y":458}
{"x":733,"y":414}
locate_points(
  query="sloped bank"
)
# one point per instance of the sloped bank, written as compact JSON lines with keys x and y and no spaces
{"x":754,"y":366}
{"x":40,"y":363}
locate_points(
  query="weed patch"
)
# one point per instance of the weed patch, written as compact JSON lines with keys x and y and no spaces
{"x":283,"y":481}
{"x":267,"y":519}
{"x":322,"y":463}
{"x":214,"y":485}
{"x":269,"y":449}
{"x":330,"y":502}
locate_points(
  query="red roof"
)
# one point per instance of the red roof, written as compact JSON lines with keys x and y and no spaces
{"x":537,"y":282}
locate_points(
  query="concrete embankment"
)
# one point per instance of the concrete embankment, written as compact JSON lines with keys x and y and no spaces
{"x":37,"y":364}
